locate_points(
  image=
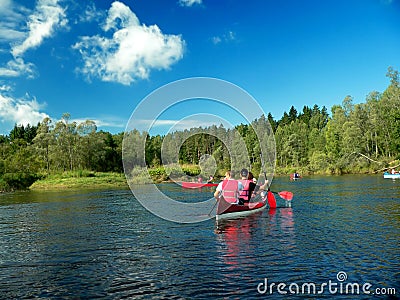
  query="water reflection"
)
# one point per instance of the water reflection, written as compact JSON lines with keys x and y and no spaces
{"x":239,"y":238}
{"x":237,"y":241}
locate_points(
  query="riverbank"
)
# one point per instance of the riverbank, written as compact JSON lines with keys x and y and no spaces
{"x":75,"y":180}
{"x":89,"y":179}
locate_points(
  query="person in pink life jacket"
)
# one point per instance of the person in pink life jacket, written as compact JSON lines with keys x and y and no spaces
{"x":229,"y":188}
{"x":248,"y":186}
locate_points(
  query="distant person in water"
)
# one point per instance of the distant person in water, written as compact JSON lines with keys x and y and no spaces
{"x":200,"y":180}
{"x":393,"y":171}
{"x":294,"y":176}
{"x":210,"y":179}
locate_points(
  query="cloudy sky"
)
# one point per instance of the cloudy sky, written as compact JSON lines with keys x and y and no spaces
{"x":98,"y":59}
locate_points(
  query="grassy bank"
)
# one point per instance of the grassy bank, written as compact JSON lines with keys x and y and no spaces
{"x":80,"y":179}
{"x":89,"y":179}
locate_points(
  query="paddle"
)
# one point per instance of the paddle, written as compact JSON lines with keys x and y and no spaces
{"x":271,"y":199}
{"x":284,"y":195}
{"x":213,"y":207}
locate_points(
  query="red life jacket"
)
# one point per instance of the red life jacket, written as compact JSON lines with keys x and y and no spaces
{"x":230,"y":190}
{"x":246,"y":187}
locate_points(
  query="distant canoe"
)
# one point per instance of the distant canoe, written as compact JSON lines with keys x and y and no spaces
{"x":196,"y":185}
{"x":391,"y":176}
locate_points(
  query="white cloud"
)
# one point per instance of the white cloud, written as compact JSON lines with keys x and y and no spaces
{"x":216,"y":40}
{"x":18,"y":67}
{"x":48,"y":15}
{"x":189,"y":2}
{"x":133,"y":50}
{"x":102,"y":122}
{"x":4,"y":4}
{"x":177,"y":124}
{"x":24,"y":35}
{"x":183,"y":124}
{"x":10,"y":34}
{"x":5,"y":88}
{"x":230,"y":36}
{"x":12,"y":20}
{"x":20,"y":111}
{"x":91,"y":14}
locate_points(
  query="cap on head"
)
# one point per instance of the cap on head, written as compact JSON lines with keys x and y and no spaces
{"x":244,"y":172}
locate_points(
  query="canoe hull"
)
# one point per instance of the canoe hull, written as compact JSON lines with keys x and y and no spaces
{"x":227,"y":210}
{"x":391,"y":176}
{"x":196,"y":185}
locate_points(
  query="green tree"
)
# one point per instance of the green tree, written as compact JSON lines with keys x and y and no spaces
{"x":66,"y":142}
{"x":44,"y":140}
{"x":334,"y":135}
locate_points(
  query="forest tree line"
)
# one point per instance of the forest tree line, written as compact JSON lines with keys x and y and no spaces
{"x":32,"y":152}
{"x":353,"y":138}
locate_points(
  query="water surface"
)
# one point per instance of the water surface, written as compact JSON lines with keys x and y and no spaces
{"x":104,"y":244}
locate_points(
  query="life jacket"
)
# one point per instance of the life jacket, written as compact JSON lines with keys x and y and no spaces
{"x":230,"y":190}
{"x":245,"y":193}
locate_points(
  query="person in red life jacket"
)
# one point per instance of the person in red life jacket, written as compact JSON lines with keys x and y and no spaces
{"x":229,"y":188}
{"x":248,"y":186}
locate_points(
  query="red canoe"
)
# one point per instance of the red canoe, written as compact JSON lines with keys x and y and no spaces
{"x":196,"y":185}
{"x":226,"y":210}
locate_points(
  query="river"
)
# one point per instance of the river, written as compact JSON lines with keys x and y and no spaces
{"x":340,"y":231}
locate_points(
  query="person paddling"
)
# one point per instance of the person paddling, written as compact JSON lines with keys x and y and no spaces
{"x":229,"y":188}
{"x":260,"y":188}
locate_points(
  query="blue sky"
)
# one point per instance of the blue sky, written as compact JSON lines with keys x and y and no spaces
{"x":98,"y":59}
